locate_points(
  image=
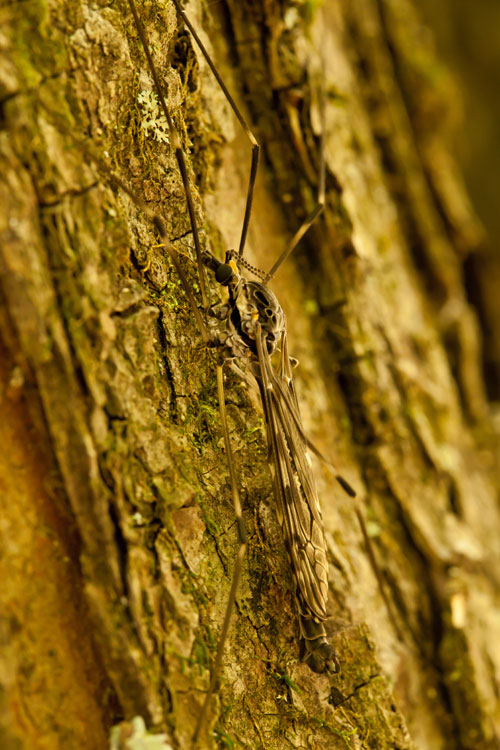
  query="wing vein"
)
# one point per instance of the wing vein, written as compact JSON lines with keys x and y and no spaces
{"x":295,"y":491}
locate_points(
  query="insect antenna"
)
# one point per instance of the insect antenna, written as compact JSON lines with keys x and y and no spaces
{"x":265,"y":277}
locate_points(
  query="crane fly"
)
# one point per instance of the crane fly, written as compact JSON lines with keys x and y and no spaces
{"x":255,"y":330}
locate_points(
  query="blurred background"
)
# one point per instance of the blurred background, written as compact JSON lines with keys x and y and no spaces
{"x":467,"y":41}
{"x":467,"y":37}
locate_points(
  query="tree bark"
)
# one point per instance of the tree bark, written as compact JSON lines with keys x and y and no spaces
{"x":118,"y":534}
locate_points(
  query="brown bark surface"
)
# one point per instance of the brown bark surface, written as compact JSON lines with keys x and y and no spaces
{"x":117,"y":534}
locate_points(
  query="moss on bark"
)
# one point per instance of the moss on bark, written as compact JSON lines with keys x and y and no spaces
{"x":100,"y":346}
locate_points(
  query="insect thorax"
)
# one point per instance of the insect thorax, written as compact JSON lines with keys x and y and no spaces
{"x":254,"y":304}
{"x":251,"y":303}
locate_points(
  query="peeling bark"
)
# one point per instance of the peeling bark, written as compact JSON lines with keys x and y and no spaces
{"x":118,"y":535}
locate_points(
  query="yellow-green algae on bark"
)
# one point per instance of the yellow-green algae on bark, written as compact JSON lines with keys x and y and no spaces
{"x":117,"y":389}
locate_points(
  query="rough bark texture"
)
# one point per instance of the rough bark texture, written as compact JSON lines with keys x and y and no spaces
{"x":117,"y":532}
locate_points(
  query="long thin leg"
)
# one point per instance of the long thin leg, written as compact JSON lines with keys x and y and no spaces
{"x":242,"y":537}
{"x":317,"y":209}
{"x":241,"y":120}
{"x":179,"y":154}
{"x":378,"y":573}
{"x":220,"y":381}
{"x":289,"y":395}
{"x":296,"y":239}
{"x":286,"y":374}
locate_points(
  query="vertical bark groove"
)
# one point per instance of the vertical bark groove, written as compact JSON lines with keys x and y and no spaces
{"x":109,"y":396}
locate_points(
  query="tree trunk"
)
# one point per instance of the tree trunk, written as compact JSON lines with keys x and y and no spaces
{"x":117,"y":528}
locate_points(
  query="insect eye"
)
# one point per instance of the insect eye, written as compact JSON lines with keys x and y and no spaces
{"x":224,"y":273}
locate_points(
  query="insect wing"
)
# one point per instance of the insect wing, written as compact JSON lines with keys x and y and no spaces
{"x":298,"y":507}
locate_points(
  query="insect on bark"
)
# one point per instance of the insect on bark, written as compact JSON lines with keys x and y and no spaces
{"x":254,"y":330}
